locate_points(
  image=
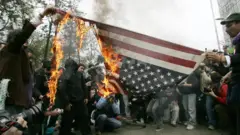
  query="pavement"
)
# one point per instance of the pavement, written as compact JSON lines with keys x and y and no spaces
{"x":168,"y":130}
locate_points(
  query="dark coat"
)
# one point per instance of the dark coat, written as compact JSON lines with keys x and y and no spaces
{"x":71,"y":85}
{"x":233,"y":97}
{"x":15,"y":65}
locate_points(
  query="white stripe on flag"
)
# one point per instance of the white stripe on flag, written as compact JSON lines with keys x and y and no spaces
{"x":151,"y":47}
{"x":156,"y":62}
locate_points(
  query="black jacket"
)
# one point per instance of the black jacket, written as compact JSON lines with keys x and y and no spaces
{"x":71,"y":85}
{"x":193,"y":79}
{"x":235,"y":64}
{"x":40,"y":87}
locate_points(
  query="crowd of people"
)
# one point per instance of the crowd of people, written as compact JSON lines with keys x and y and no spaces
{"x":210,"y":94}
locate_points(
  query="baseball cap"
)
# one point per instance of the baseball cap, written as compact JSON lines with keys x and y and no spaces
{"x":231,"y":18}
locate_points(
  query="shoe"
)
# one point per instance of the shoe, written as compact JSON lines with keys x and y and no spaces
{"x":190,"y":127}
{"x":173,"y":124}
{"x":159,"y":128}
{"x":185,"y":123}
{"x":211,"y":127}
{"x":98,"y":133}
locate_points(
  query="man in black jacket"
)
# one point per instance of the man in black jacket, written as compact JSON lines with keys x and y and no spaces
{"x":189,"y":89}
{"x":72,"y":93}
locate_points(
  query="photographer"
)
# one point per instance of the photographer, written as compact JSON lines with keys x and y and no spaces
{"x":225,"y":113}
{"x":232,"y":23}
{"x":107,"y":114}
{"x":206,"y":81}
{"x":14,"y":130}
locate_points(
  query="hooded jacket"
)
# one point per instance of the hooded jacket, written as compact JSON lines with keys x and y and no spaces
{"x":71,"y":85}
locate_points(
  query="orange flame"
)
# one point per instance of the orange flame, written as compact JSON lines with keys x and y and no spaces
{"x":82,"y":29}
{"x":112,"y":63}
{"x":56,"y":61}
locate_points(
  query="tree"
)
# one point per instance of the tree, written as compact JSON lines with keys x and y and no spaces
{"x":14,"y":12}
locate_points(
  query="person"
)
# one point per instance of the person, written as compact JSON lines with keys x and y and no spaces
{"x":171,"y":112}
{"x":106,"y":114}
{"x":14,"y":130}
{"x":225,"y":50}
{"x":205,"y":81}
{"x":42,"y":76}
{"x":189,"y":91}
{"x":72,"y":94}
{"x":15,"y":65}
{"x":232,"y":24}
{"x":153,"y":112}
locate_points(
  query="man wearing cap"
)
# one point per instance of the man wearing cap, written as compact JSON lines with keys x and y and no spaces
{"x":232,"y":24}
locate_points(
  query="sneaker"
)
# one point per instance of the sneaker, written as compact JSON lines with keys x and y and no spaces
{"x":211,"y":127}
{"x":185,"y":123}
{"x":159,"y":128}
{"x":173,"y":124}
{"x":98,"y":133}
{"x":190,"y":127}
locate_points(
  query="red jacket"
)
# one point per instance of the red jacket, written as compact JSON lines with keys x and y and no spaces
{"x":222,"y":98}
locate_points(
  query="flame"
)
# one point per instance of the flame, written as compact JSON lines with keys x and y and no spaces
{"x":56,"y":60}
{"x":106,"y":88}
{"x":81,"y":31}
{"x":112,"y":62}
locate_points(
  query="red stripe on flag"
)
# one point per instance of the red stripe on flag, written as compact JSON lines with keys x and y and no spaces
{"x":163,"y":57}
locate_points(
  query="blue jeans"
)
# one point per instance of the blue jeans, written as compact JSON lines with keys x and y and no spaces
{"x":105,"y":123}
{"x":210,"y":111}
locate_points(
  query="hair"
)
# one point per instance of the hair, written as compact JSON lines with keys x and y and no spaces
{"x":215,"y":77}
{"x":81,"y":64}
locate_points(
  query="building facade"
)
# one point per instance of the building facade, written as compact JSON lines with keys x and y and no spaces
{"x":227,"y":7}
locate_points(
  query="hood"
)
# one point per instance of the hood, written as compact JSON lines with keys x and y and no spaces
{"x":71,"y":64}
{"x":70,"y":68}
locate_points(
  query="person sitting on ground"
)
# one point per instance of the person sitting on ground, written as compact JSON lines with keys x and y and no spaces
{"x":106,"y":114}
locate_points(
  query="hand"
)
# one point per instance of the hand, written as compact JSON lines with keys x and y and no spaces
{"x":216,"y":57}
{"x":187,"y":85}
{"x":85,"y":101}
{"x":14,"y":130}
{"x":49,"y":11}
{"x":211,"y":93}
{"x":40,"y":97}
{"x":55,"y":112}
{"x":89,"y":83}
{"x":69,"y":106}
{"x":179,"y":92}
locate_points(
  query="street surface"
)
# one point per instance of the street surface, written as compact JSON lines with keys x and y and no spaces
{"x":168,"y":130}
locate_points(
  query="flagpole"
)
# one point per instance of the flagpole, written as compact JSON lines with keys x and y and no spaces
{"x":215,"y":26}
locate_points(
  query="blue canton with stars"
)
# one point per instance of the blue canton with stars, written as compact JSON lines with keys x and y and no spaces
{"x":142,"y":79}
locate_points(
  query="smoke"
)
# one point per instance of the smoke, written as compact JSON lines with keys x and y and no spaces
{"x":102,"y":10}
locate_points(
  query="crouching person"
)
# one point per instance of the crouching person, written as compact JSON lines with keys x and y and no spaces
{"x":106,"y":115}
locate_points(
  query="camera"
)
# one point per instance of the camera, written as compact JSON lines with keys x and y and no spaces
{"x":33,"y":114}
{"x":207,"y":90}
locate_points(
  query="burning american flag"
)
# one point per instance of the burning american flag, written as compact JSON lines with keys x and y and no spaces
{"x":148,"y":64}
